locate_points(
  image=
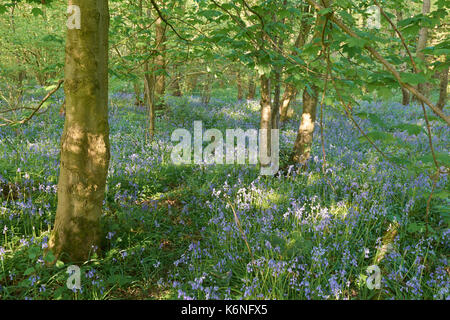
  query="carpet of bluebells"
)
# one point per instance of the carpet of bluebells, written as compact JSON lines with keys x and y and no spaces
{"x":172,"y":232}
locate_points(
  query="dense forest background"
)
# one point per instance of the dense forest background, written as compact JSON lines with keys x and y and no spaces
{"x":357,"y":89}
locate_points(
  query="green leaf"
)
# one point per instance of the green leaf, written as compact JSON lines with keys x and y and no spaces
{"x":59,"y":264}
{"x":378,"y":136}
{"x":325,"y":11}
{"x":442,"y":158}
{"x":49,"y":257}
{"x":29,"y":271}
{"x":410,"y":128}
{"x":37,"y":12}
{"x":444,"y":212}
{"x":33,"y":252}
{"x":357,"y":42}
{"x":444,"y":194}
{"x":412,"y":78}
{"x":415,"y":227}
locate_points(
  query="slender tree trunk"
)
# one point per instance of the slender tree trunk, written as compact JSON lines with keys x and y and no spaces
{"x":422,"y":42}
{"x":206,"y":93}
{"x":289,"y":95}
{"x":176,"y":85}
{"x":290,"y":91}
{"x":149,"y":87}
{"x":275,"y":118}
{"x":192,"y":83}
{"x":160,"y":62}
{"x":240,"y":93}
{"x":266,"y":110}
{"x":251,"y":87}
{"x":405,"y":97}
{"x":137,"y":93}
{"x":443,"y":89}
{"x":275,"y":114}
{"x":303,"y":142}
{"x":405,"y":93}
{"x":85,"y":149}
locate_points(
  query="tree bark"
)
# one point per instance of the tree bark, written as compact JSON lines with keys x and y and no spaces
{"x":443,"y":89}
{"x":266,"y":111}
{"x":275,"y":112}
{"x":137,"y":93}
{"x":251,"y":87}
{"x":176,"y":85}
{"x":206,"y":93}
{"x":422,"y":42}
{"x":303,"y":142}
{"x":160,"y":62}
{"x":290,"y":91}
{"x":405,"y":94}
{"x":240,"y":93}
{"x":149,"y":87}
{"x":85,"y":149}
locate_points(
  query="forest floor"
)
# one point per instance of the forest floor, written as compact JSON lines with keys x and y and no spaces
{"x":171,"y":231}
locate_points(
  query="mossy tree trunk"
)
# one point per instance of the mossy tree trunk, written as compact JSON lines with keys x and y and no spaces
{"x":266,"y":113}
{"x":290,"y":91}
{"x":443,"y":89}
{"x":303,"y":142}
{"x":176,"y":84}
{"x":405,"y":94}
{"x":251,"y":87}
{"x":275,"y":112}
{"x":289,"y":95}
{"x":85,"y":149}
{"x":160,"y":63}
{"x":137,"y":93}
{"x":206,"y":91}
{"x":422,"y":42}
{"x":240,"y":93}
{"x":149,"y":91}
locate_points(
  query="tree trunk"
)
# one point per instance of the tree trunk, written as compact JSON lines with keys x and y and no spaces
{"x":192,"y":83}
{"x":405,"y":97}
{"x":160,"y":62}
{"x":85,"y":149}
{"x":206,"y":93}
{"x":405,"y":94}
{"x":177,"y":88}
{"x":289,"y":95}
{"x":290,"y":91}
{"x":303,"y":142}
{"x":137,"y":93}
{"x":240,"y":94}
{"x":275,"y":112}
{"x":443,"y":89}
{"x":422,"y":42}
{"x":275,"y":118}
{"x":266,"y":113}
{"x":251,"y":87}
{"x":149,"y":87}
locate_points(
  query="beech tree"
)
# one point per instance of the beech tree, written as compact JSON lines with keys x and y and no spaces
{"x":85,"y":149}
